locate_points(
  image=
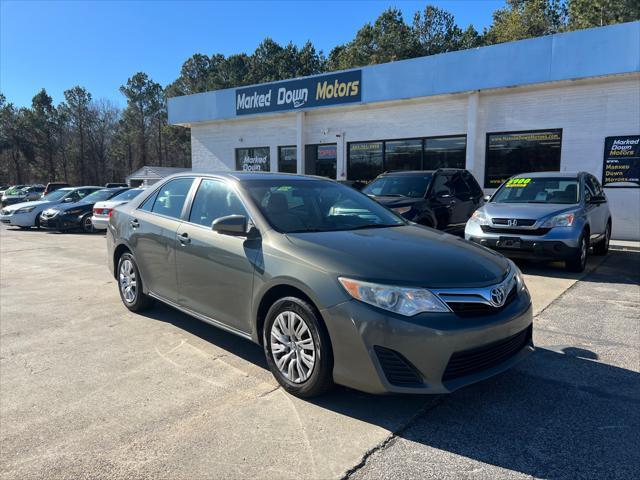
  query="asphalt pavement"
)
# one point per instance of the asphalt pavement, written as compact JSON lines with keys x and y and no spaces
{"x":571,"y":410}
{"x":91,"y":390}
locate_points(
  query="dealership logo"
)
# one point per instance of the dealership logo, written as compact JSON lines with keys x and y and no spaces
{"x":497,"y":296}
{"x":331,"y":89}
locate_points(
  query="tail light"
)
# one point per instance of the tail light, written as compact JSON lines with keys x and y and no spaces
{"x":109,"y":210}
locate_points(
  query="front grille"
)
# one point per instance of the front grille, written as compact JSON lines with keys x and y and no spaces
{"x":6,"y":211}
{"x":515,"y":231}
{"x":522,"y":222}
{"x":472,"y":309}
{"x":476,"y":360}
{"x":397,"y":369}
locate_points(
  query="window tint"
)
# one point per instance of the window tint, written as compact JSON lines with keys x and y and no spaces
{"x":213,"y":200}
{"x":414,"y":186}
{"x":476,"y":191}
{"x":590,"y":188}
{"x":460,"y":188}
{"x":441,"y":185}
{"x":403,"y":155}
{"x":171,"y":197}
{"x":445,"y":153}
{"x":512,"y":153}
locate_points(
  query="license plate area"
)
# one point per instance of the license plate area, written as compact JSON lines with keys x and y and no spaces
{"x":510,"y":242}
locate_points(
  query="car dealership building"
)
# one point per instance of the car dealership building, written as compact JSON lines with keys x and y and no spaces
{"x":564,"y":102}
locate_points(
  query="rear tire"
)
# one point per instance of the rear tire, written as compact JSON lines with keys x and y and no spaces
{"x":578,"y":260}
{"x":130,"y":284}
{"x":297,"y":348}
{"x":602,"y":247}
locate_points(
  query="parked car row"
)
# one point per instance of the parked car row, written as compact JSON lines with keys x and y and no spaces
{"x":67,"y":208}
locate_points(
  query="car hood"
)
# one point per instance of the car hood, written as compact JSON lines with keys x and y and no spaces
{"x":393,"y":202}
{"x":72,"y":206}
{"x":35,"y":203}
{"x":525,"y":210}
{"x":408,"y":255}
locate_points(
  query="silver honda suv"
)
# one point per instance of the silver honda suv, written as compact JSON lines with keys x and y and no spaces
{"x":546,"y":215}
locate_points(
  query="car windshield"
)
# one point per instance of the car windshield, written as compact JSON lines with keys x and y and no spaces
{"x":304,"y":205}
{"x":128,"y":194}
{"x":414,"y":186}
{"x":56,"y":195}
{"x":538,"y":190}
{"x":99,"y":196}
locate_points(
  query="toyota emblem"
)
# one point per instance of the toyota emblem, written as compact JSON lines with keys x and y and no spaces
{"x":497,"y":296}
{"x":512,"y":222}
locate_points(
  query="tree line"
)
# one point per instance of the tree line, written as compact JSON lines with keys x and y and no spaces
{"x":87,"y":141}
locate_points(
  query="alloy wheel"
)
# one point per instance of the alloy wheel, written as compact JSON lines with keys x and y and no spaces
{"x":128,"y":282}
{"x":292,"y":347}
{"x":583,"y":251}
{"x":87,"y":225}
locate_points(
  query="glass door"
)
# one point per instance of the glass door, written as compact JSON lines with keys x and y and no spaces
{"x":321,"y":160}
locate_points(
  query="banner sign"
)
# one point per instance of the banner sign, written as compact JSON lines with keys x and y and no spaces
{"x":332,"y":89}
{"x":621,"y":161}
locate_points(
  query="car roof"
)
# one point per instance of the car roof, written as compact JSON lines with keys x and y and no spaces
{"x":242,"y":176}
{"x":420,"y":172}
{"x":550,"y":174}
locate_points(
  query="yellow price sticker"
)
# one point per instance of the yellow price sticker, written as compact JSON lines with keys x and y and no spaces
{"x":518,"y":182}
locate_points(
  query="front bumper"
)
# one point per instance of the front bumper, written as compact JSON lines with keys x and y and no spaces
{"x":377,"y":351}
{"x":61,"y":222}
{"x":557,"y":244}
{"x":19,"y":219}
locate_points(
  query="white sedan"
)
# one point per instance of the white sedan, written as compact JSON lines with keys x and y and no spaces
{"x":102,"y":210}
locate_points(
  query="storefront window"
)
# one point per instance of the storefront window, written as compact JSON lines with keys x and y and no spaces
{"x":288,"y":159}
{"x":511,"y":153}
{"x":447,"y":152}
{"x":321,"y":160}
{"x":253,"y":159}
{"x":365,"y":160}
{"x":403,"y":155}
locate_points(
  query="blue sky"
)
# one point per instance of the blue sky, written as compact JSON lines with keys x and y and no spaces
{"x":59,"y":44}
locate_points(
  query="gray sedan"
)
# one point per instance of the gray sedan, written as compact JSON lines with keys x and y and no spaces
{"x":336,"y":288}
{"x":545,"y":215}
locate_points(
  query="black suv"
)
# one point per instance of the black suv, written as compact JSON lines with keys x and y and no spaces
{"x":442,"y":199}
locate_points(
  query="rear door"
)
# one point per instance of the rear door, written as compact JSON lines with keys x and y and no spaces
{"x":153,"y":228}
{"x":464,"y":204}
{"x":215,"y":271}
{"x":441,"y":200}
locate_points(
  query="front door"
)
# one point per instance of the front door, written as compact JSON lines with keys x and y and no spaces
{"x":215,"y":271}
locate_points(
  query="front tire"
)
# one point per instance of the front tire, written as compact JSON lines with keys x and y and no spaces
{"x":578,"y":260}
{"x":297,"y":348}
{"x":130,"y":285}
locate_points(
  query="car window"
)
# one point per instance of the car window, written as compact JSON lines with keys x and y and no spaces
{"x":74,"y":196}
{"x":295,"y":205}
{"x":214,"y":199}
{"x":83,"y":192}
{"x":171,"y":197}
{"x":441,"y":185}
{"x":590,"y":189}
{"x":460,"y":188}
{"x":538,"y":190}
{"x":414,"y":186}
{"x":128,"y":194}
{"x":476,"y":191}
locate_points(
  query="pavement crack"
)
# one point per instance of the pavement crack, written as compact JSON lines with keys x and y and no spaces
{"x":422,"y":411}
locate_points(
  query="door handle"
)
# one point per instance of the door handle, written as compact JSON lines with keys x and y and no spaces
{"x":184,"y":238}
{"x":134,"y":223}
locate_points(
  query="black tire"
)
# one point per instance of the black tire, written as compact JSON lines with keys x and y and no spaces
{"x":37,"y":224}
{"x":24,"y":228}
{"x":578,"y":260}
{"x":602,"y":247}
{"x":140,"y":301}
{"x":87,"y":226}
{"x":320,"y":378}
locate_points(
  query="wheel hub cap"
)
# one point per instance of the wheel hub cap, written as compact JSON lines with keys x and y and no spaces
{"x":127,"y":281}
{"x":292,"y":347}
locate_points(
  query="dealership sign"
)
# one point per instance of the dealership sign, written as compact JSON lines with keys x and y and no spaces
{"x":621,"y":161}
{"x":332,"y":89}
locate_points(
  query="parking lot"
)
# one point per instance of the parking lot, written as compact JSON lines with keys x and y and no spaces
{"x":90,"y":390}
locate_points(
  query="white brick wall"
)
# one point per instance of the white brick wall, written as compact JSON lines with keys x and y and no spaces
{"x":586,"y":110}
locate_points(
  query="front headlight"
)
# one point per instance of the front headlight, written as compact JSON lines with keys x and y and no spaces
{"x":24,"y":209}
{"x":480,"y":217}
{"x":519,"y":278}
{"x":562,"y":220}
{"x":405,"y":301}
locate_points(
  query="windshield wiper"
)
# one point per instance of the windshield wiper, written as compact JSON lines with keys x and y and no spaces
{"x":374,"y":225}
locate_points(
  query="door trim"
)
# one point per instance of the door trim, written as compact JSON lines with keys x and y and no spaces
{"x":199,"y":316}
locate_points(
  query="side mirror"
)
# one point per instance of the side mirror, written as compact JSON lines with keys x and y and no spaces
{"x":443,"y":194}
{"x":598,"y":199}
{"x":230,"y":225}
{"x":68,"y":200}
{"x":487,"y":198}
